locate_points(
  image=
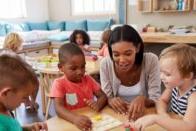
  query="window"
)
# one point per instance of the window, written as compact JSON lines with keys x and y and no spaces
{"x":12,"y":9}
{"x":93,"y":7}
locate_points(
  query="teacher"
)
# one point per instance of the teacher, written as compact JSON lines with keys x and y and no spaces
{"x":129,"y":77}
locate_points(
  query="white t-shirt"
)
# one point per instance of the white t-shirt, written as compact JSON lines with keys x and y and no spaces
{"x":128,"y":93}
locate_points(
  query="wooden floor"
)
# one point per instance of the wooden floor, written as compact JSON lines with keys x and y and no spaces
{"x":25,"y":117}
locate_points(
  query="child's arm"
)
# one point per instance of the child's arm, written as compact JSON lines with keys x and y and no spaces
{"x":163,"y":102}
{"x":100,"y":103}
{"x":188,"y":123}
{"x":35,"y":127}
{"x":82,"y":122}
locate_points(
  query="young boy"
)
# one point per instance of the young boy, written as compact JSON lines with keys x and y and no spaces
{"x":75,"y":89}
{"x":17,"y":82}
{"x":14,"y":42}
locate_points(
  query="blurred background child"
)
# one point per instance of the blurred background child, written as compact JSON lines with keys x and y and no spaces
{"x":14,"y":42}
{"x":178,"y":73}
{"x":17,"y":82}
{"x":104,"y":45}
{"x":82,"y":39}
{"x":75,"y":89}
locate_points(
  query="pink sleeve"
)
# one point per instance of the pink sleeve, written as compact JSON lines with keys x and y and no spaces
{"x":100,"y":52}
{"x":93,"y":84}
{"x":57,"y":89}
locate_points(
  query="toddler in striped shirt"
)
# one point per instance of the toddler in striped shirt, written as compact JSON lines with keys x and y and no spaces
{"x":178,"y":74}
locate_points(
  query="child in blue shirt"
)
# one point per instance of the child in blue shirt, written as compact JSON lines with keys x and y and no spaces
{"x":17,"y":82}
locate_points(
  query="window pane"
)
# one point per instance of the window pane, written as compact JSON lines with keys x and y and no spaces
{"x":88,"y":6}
{"x":3,"y":8}
{"x":109,"y":5}
{"x":12,"y":8}
{"x":77,"y":6}
{"x":83,"y":7}
{"x":99,"y":6}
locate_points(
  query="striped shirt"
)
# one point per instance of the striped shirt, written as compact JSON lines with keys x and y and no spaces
{"x":179,"y":103}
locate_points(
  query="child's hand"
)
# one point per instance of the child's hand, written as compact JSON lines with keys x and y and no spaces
{"x":92,"y":104}
{"x":144,"y":122}
{"x":83,"y":123}
{"x":38,"y":126}
{"x":129,"y":125}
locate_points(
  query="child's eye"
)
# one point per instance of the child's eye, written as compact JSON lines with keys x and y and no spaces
{"x":83,"y":66}
{"x":73,"y":68}
{"x":167,"y":74}
{"x":115,"y":55}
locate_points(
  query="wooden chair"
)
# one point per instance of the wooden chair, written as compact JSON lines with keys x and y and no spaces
{"x":46,"y":79}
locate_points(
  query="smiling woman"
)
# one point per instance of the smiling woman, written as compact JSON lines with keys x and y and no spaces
{"x":129,"y":77}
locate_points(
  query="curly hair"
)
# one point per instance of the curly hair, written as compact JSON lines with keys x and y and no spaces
{"x":86,"y":38}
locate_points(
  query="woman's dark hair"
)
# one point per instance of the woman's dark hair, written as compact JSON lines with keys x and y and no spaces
{"x":128,"y":34}
{"x":85,"y":36}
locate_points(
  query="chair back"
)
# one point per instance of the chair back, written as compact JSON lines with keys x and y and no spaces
{"x":46,"y":80}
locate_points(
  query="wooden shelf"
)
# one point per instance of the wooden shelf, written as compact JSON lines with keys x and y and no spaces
{"x":145,"y":6}
{"x":170,"y":11}
{"x":166,"y":37}
{"x":194,"y":5}
{"x":165,"y":6}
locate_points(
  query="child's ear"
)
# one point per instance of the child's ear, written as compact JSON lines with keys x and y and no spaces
{"x":190,"y":76}
{"x":5,"y":91}
{"x":60,"y":66}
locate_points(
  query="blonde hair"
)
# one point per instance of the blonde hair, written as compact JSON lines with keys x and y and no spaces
{"x":185,"y":58}
{"x":13,"y":41}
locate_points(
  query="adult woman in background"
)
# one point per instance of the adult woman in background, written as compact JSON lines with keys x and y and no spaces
{"x":129,"y":77}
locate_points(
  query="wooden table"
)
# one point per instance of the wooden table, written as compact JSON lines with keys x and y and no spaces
{"x":166,"y":37}
{"x":58,"y":124}
{"x":92,"y":67}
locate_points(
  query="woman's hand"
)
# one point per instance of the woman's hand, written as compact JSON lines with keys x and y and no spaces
{"x":83,"y":123}
{"x":118,"y":105}
{"x":136,"y":108}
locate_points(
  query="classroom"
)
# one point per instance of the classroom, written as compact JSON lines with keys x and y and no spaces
{"x":97,"y":65}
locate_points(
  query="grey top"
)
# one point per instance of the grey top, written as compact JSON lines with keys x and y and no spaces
{"x":149,"y":79}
